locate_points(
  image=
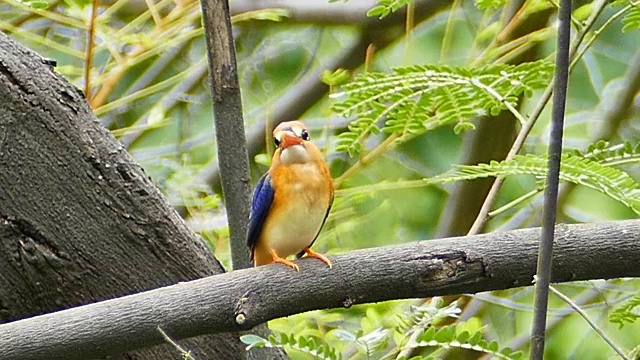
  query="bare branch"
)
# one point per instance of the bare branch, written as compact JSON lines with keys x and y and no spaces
{"x":227,"y":109}
{"x":242,"y":299}
{"x":547,"y":234}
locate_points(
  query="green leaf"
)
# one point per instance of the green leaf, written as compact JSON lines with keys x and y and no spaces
{"x":462,"y":127}
{"x":463,"y":336}
{"x":574,"y":169}
{"x":493,"y":346}
{"x":418,"y":98}
{"x":304,"y":344}
{"x":628,"y":312}
{"x":446,"y":337}
{"x":262,"y":159}
{"x":38,"y":4}
{"x":253,"y":341}
{"x":337,"y":77}
{"x":631,"y":20}
{"x":377,"y":11}
{"x":386,"y":7}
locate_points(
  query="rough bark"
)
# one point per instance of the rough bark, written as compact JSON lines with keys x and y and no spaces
{"x":233,"y":161}
{"x":241,"y":299}
{"x":79,"y":220}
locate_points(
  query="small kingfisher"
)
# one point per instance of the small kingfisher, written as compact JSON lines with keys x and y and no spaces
{"x":291,"y":201}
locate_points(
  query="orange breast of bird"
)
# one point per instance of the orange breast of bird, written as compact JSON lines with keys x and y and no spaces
{"x":303,"y":194}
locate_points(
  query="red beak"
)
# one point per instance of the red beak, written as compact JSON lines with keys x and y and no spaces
{"x":289,"y":140}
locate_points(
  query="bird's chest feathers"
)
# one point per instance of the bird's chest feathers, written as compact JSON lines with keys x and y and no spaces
{"x":305,"y":186}
{"x":299,"y":208}
{"x":306,"y":196}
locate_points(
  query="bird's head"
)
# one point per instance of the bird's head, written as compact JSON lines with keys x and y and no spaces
{"x":292,"y":142}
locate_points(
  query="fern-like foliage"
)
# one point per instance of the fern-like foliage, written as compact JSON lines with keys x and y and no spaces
{"x":414,"y":99}
{"x":370,"y":343}
{"x":449,"y":337}
{"x":631,"y":21}
{"x":309,"y":345}
{"x":575,"y":169}
{"x":608,"y":154}
{"x":423,"y":316}
{"x":629,"y":312}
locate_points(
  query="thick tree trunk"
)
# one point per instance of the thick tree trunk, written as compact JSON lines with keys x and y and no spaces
{"x":79,"y":219}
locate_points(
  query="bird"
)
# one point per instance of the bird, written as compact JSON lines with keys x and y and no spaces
{"x":291,"y":201}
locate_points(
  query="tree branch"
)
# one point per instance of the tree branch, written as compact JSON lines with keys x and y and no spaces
{"x":227,"y":108}
{"x":242,"y":299}
{"x":554,"y":153}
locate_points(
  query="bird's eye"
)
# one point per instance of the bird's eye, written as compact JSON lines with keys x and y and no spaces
{"x":305,"y":135}
{"x":276,"y":141}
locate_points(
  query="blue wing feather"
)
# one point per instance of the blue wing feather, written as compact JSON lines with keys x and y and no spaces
{"x":260,"y":204}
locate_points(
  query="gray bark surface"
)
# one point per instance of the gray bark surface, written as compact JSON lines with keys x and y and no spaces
{"x":80,"y":221}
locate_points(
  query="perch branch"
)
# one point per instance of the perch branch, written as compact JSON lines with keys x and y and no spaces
{"x":242,"y":299}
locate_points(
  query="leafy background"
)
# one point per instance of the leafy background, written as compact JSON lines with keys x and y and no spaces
{"x":394,"y":130}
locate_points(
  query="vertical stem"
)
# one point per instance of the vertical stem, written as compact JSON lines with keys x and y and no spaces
{"x":545,"y":252}
{"x":227,"y":109}
{"x":90,"y":44}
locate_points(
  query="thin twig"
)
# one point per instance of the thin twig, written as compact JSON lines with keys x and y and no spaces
{"x":185,"y":354}
{"x":545,"y":253}
{"x":89,"y":55}
{"x":380,"y":149}
{"x":593,"y":325}
{"x":515,"y":202}
{"x":523,"y":338}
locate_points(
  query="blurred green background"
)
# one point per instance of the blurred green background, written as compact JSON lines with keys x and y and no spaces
{"x":148,"y":84}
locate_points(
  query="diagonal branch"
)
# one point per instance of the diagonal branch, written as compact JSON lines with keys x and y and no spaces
{"x":245,"y":298}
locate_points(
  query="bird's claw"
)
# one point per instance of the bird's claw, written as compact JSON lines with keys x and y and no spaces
{"x":278,"y":259}
{"x":313,"y":254}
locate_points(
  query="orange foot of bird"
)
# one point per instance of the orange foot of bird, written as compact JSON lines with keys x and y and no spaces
{"x":313,"y":254}
{"x":278,"y":259}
